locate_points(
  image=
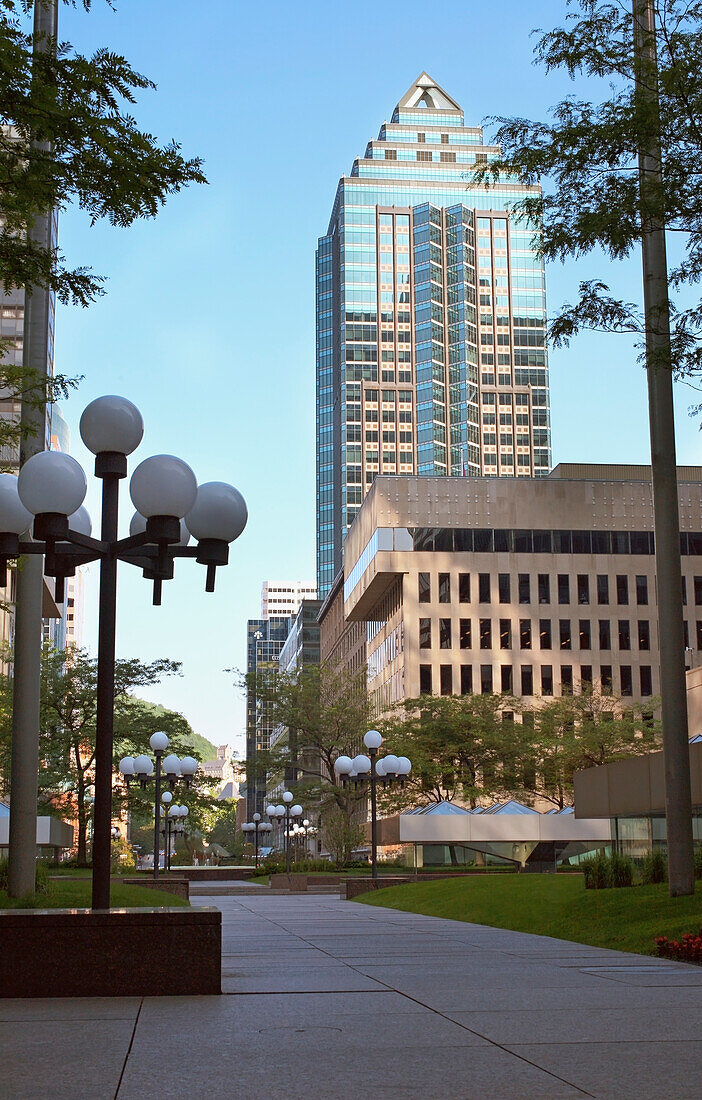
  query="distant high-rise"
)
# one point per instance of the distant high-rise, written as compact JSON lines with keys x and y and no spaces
{"x":431,"y":320}
{"x":284,"y":597}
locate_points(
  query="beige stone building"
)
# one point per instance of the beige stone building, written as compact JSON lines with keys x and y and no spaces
{"x":536,"y":586}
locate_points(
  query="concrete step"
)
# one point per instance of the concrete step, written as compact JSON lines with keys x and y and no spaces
{"x":237,"y":889}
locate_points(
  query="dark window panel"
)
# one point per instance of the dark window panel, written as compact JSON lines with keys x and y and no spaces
{"x":525,"y":633}
{"x":585,"y":677}
{"x":444,"y":588}
{"x":624,"y":634}
{"x":527,"y":680}
{"x":424,"y":588}
{"x":646,"y":680}
{"x":563,"y":588}
{"x":485,"y":634}
{"x":524,"y":588}
{"x":602,"y":588}
{"x":505,"y":634}
{"x":566,"y":679}
{"x":605,"y":634}
{"x":425,"y":633}
{"x":506,"y":678}
{"x":642,"y":590}
{"x":464,"y":634}
{"x":466,"y":679}
{"x":698,"y":590}
{"x":446,"y":675}
{"x":444,"y":633}
{"x":544,"y":588}
{"x":425,"y":680}
{"x":622,"y":589}
{"x":606,"y":677}
{"x":645,"y":634}
{"x":484,"y":587}
{"x":545,"y":633}
{"x":583,"y":588}
{"x":503,"y":587}
{"x":625,"y":680}
{"x":564,"y":634}
{"x":585,"y":636}
{"x":546,"y":680}
{"x":464,"y":587}
{"x":486,"y":679}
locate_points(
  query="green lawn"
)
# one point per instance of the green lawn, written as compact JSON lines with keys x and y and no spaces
{"x":550,"y":905}
{"x":75,"y":894}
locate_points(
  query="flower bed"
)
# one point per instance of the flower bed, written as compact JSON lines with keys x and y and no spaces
{"x":687,"y":949}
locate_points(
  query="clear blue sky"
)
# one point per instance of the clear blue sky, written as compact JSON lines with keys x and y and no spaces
{"x":208,"y":320}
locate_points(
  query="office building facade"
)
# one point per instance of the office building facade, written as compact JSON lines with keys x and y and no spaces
{"x":537,"y":588}
{"x":283,"y":598}
{"x":430,"y":301}
{"x":265,"y":639}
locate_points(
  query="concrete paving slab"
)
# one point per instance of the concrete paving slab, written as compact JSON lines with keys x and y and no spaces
{"x":320,"y":989}
{"x":625,"y":1071}
{"x":62,"y":1059}
{"x":580,"y":1025}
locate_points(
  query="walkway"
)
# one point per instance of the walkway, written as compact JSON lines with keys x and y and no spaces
{"x":332,"y":999}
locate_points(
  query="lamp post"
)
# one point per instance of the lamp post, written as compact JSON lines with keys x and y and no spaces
{"x":142,"y":769}
{"x":388,"y":768}
{"x":48,"y":494}
{"x":287,"y":811}
{"x":174,"y":825}
{"x":256,"y":826}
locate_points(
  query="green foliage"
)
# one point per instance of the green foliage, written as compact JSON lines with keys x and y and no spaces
{"x":42,"y":882}
{"x":471,"y":747}
{"x":122,"y":859}
{"x":602,"y":872}
{"x":69,"y":137}
{"x":654,"y":867}
{"x":587,"y":151}
{"x":67,"y":738}
{"x":698,"y":863}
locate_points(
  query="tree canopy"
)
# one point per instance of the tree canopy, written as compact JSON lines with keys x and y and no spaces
{"x":585,"y":154}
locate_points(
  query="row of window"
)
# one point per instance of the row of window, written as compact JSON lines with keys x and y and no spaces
{"x":487,"y":541}
{"x":485,"y":682}
{"x":565,"y":589}
{"x":624,"y":631}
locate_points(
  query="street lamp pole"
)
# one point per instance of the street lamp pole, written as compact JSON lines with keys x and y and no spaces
{"x":389,"y":768}
{"x":48,"y":495}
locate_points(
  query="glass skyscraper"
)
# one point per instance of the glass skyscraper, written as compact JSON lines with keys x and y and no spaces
{"x":431,"y":319}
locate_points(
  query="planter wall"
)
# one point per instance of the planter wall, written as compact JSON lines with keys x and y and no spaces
{"x":110,"y":953}
{"x":169,"y":883}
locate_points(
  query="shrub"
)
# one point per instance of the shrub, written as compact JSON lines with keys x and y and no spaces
{"x":698,"y":862}
{"x":597,"y":871}
{"x":654,"y":868}
{"x":687,"y":949}
{"x":622,"y":870}
{"x":42,"y":882}
{"x":602,"y":872}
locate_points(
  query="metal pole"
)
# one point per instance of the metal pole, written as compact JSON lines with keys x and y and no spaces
{"x":256,"y":845}
{"x":676,"y":753}
{"x":287,"y":838}
{"x":374,"y":816}
{"x":157,"y":816}
{"x":24,"y":766}
{"x":105,"y":690}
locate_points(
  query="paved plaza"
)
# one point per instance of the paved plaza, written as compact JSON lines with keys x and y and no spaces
{"x":328,"y":998}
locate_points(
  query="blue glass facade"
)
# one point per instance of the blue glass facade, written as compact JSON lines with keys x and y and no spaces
{"x":430,"y":299}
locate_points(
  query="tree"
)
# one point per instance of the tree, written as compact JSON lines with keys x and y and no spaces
{"x":67,"y":734}
{"x":588,"y":151}
{"x":68,"y":138}
{"x":567,"y":734}
{"x":322,"y":711}
{"x":625,"y":172}
{"x":462,"y":747}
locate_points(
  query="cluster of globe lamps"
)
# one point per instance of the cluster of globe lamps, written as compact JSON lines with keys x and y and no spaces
{"x":288,"y":811}
{"x":389,"y":769}
{"x":256,"y":826}
{"x":171,"y":508}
